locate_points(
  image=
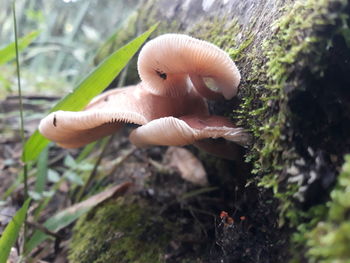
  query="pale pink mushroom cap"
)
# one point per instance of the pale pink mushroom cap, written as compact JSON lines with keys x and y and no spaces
{"x":186,"y":130}
{"x":166,"y":64}
{"x":109,"y":111}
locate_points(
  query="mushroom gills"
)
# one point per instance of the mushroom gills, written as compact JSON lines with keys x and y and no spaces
{"x":206,"y":87}
{"x":75,"y":129}
{"x":172,"y":58}
{"x":186,"y":130}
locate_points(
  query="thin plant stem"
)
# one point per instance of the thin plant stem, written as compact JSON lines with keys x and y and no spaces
{"x":25,"y":170}
{"x":93,"y":173}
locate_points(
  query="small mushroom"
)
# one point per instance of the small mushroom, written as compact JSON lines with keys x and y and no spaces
{"x":202,"y":131}
{"x":108,"y":112}
{"x":186,"y":130}
{"x":168,"y":63}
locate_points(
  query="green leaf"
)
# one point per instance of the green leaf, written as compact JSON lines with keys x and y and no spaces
{"x":85,"y":166}
{"x":74,"y":177}
{"x":54,"y":223}
{"x":91,"y":86}
{"x":9,"y":52}
{"x":10,"y":234}
{"x":35,"y":195}
{"x":86,"y":151}
{"x":69,"y":162}
{"x":42,"y":166}
{"x":53,"y":176}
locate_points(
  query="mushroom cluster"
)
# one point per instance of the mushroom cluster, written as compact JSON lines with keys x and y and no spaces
{"x":178,"y":74}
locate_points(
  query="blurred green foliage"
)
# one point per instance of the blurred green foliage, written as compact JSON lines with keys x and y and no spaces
{"x":43,"y":64}
{"x":11,"y":232}
{"x":329,"y":240}
{"x":9,"y":52}
{"x":71,"y":32}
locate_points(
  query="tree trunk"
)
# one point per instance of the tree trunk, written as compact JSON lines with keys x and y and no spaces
{"x":294,"y":98}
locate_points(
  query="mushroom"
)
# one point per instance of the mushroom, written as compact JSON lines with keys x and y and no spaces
{"x":178,"y":73}
{"x":107,"y":113}
{"x":186,"y":130}
{"x":166,"y":64}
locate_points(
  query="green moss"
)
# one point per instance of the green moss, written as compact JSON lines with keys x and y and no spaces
{"x":122,"y":231}
{"x":224,"y":33}
{"x":237,"y":53}
{"x":327,"y":234}
{"x":298,"y":44}
{"x":303,"y":37}
{"x":219,"y":31}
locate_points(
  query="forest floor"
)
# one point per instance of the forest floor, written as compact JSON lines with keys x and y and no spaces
{"x":227,"y":219}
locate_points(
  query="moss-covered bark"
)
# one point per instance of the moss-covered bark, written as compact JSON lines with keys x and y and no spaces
{"x":121,"y":231}
{"x":294,"y":98}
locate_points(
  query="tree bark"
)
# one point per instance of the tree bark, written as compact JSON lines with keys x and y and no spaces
{"x":294,"y":99}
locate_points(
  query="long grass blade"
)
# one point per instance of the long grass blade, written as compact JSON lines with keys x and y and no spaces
{"x":11,"y":232}
{"x":92,"y":85}
{"x":106,"y":142}
{"x":25,"y":167}
{"x":9,"y":52}
{"x":42,"y":171}
{"x":86,"y":151}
